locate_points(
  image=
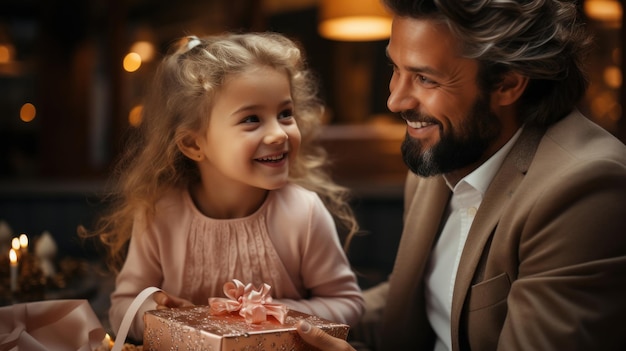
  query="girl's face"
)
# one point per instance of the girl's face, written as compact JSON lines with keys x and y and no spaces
{"x":252,"y":135}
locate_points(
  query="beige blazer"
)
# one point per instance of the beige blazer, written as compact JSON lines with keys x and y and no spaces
{"x":544,"y":265}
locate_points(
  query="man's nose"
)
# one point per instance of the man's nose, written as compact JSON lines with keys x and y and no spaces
{"x":401,"y":97}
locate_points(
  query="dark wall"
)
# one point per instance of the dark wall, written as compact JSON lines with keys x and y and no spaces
{"x":61,"y":208}
{"x":56,"y":208}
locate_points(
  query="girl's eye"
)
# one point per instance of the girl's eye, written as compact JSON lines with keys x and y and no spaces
{"x":250,"y":119}
{"x":288,"y":113}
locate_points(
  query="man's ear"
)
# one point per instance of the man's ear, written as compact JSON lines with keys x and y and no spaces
{"x":510,"y":89}
{"x":188,"y":145}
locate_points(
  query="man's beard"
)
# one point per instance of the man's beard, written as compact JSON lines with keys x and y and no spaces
{"x":457,"y":148}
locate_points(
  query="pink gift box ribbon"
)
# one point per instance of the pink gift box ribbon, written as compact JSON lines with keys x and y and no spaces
{"x":254,"y":305}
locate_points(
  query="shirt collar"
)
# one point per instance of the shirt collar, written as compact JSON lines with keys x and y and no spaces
{"x":482,"y":176}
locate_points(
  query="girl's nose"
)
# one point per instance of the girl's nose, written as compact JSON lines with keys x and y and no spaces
{"x":276,"y":134}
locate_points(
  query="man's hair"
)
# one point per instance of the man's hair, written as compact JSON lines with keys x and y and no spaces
{"x":541,"y":39}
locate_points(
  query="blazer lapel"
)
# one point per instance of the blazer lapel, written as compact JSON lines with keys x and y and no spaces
{"x":496,"y":199}
{"x":433,"y":194}
{"x":404,"y":319}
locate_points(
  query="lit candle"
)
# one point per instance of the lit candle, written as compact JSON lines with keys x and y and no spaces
{"x":15,"y":244}
{"x":13,"y":259}
{"x":107,"y":343}
{"x":23,"y":243}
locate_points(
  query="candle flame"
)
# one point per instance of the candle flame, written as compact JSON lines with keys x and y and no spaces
{"x":23,"y":241}
{"x":13,"y":256}
{"x":107,"y":342}
{"x":15,"y":243}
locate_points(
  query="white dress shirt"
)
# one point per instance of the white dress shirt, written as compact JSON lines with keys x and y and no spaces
{"x":467,"y":195}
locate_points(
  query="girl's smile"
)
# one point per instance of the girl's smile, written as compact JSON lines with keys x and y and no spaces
{"x":277,"y":160}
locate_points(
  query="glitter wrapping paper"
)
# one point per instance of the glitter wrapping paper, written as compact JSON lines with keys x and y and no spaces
{"x":194,"y":328}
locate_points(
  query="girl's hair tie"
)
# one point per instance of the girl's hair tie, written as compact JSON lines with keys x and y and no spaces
{"x":192,"y":42}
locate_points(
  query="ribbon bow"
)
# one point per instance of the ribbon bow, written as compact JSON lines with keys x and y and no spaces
{"x":253,"y":305}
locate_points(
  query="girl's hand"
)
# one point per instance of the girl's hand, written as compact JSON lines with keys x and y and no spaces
{"x":165,"y":301}
{"x":317,"y":338}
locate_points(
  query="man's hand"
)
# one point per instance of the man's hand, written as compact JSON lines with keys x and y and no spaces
{"x":316,"y":337}
{"x":165,"y":301}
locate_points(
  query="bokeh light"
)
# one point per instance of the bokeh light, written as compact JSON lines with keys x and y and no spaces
{"x":132,"y":62}
{"x":145,"y":49}
{"x":134,"y":116}
{"x":613,"y":77}
{"x":6,"y":53}
{"x":28,"y":112}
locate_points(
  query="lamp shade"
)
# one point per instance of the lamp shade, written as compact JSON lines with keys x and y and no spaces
{"x":353,"y":20}
{"x":604,"y":10}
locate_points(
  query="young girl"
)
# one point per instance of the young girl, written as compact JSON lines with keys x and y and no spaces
{"x":224,"y":181}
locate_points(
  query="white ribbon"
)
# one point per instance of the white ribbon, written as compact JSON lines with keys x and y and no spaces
{"x":120,"y":337}
{"x":61,"y":325}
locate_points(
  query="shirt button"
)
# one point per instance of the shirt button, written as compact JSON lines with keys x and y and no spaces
{"x":472,"y":211}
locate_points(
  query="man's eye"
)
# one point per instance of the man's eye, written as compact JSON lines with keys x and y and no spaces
{"x":426,"y":81}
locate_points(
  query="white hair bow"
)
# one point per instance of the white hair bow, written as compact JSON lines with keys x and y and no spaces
{"x":192,"y":42}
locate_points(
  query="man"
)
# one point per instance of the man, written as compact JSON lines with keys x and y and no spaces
{"x":515,"y":207}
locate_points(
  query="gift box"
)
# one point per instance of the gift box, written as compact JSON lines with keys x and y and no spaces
{"x":196,"y":328}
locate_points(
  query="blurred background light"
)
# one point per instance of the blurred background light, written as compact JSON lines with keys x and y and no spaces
{"x":144,"y":49}
{"x":353,"y":20}
{"x":6,"y":53}
{"x":28,"y":112}
{"x":132,"y":62}
{"x":604,"y":10}
{"x":134,"y":116}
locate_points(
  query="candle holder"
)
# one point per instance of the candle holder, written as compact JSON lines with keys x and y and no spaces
{"x":40,"y":275}
{"x":22,"y":278}
{"x":32,"y":282}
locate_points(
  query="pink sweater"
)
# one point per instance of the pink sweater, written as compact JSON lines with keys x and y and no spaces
{"x":290,"y":243}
